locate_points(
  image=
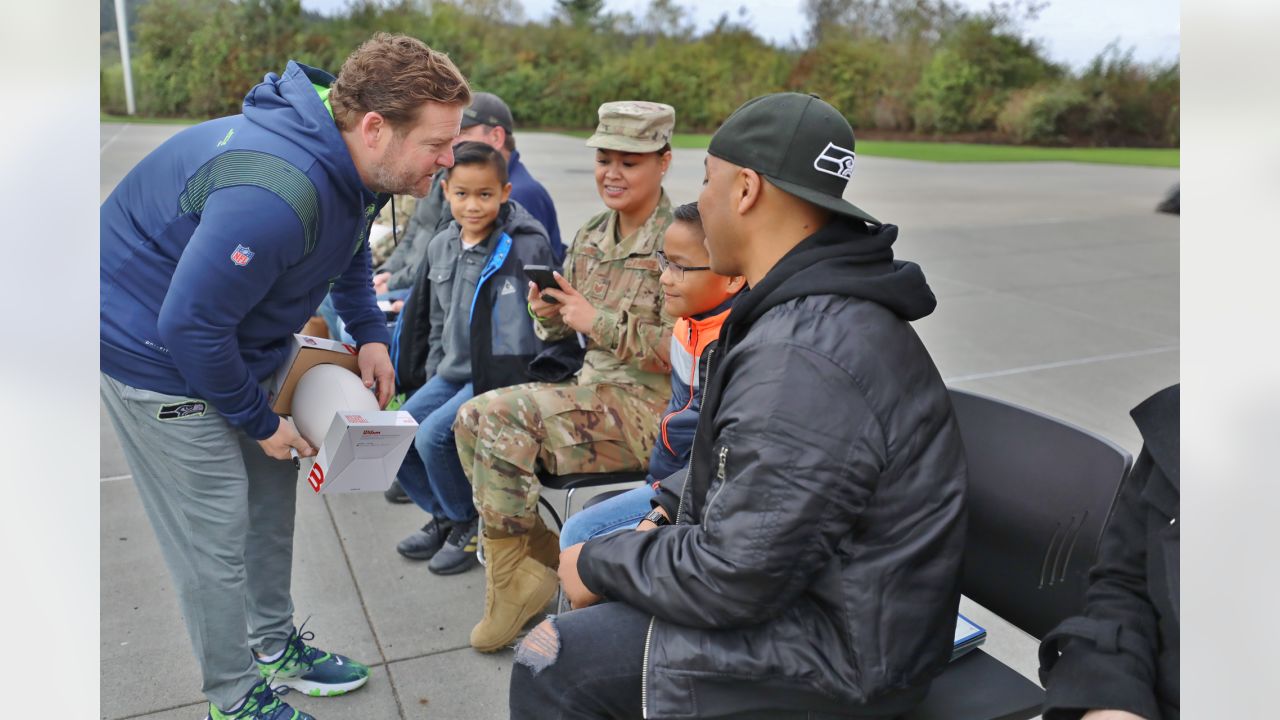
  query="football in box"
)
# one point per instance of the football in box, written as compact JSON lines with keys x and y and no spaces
{"x":361,"y":451}
{"x":359,"y":447}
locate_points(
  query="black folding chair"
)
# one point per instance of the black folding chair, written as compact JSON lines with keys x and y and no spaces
{"x":581,"y":481}
{"x":1040,"y":492}
{"x":570,"y":484}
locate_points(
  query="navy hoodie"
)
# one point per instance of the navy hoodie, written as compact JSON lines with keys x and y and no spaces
{"x":222,"y":242}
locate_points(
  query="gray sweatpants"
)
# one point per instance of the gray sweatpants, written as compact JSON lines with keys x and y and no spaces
{"x":223,"y":512}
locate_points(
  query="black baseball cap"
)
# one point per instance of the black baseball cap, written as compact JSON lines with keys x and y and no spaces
{"x":488,"y":109}
{"x":798,"y":142}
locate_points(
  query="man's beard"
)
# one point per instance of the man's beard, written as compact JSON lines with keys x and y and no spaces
{"x":396,"y":181}
{"x":388,"y":178}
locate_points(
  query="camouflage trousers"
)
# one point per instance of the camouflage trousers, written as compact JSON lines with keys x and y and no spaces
{"x":505,"y":434}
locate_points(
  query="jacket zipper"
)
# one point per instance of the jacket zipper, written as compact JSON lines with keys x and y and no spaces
{"x":693,"y":336}
{"x":644,"y":672}
{"x":680,"y":507}
{"x":720,"y":475}
{"x":648,"y":636}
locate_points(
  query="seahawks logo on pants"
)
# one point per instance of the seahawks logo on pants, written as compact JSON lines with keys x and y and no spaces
{"x":179,"y":411}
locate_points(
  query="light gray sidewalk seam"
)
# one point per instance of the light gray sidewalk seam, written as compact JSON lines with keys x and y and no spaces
{"x":115,"y":137}
{"x":1059,"y":364}
{"x":346,"y":558}
{"x":200,"y":704}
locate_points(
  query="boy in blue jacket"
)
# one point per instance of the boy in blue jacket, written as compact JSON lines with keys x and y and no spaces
{"x":467,"y":316}
{"x":216,"y":248}
{"x":700,"y":300}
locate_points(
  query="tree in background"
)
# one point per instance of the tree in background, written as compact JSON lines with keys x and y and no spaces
{"x":581,"y":13}
{"x":978,"y":63}
{"x":907,"y":67}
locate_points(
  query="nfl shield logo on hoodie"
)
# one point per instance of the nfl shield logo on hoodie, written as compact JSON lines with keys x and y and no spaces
{"x":241,"y":255}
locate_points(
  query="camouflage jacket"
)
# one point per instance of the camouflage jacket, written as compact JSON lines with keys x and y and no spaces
{"x":621,"y":280}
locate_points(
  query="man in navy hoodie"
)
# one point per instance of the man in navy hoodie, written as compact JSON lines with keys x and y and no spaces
{"x":216,"y":248}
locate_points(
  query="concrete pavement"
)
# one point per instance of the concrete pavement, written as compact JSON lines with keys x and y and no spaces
{"x":1058,"y":290}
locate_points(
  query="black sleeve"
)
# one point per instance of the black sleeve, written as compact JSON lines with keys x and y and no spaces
{"x":793,"y":488}
{"x":1108,"y":656}
{"x":669,"y":489}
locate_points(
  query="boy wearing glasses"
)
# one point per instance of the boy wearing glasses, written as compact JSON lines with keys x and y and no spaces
{"x":700,"y":301}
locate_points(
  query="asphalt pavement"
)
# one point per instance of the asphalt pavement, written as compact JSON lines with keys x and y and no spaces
{"x":1057,"y":289}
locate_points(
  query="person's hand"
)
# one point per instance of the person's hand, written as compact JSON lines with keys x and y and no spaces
{"x":285,"y":437}
{"x":574,"y":589}
{"x":397,"y":305}
{"x":1111,"y":715}
{"x":576,"y":311}
{"x":540,"y":307}
{"x":647,"y":525}
{"x":375,"y":370}
{"x":380,"y":282}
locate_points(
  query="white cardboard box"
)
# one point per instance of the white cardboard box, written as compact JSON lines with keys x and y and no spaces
{"x":305,"y":352}
{"x":361,"y":452}
{"x":359,"y":447}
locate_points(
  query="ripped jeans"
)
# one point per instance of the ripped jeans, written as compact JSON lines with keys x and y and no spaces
{"x":587,"y":665}
{"x":582,"y":664}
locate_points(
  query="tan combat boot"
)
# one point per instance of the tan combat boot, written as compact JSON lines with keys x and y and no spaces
{"x":544,"y":545}
{"x":517,"y":587}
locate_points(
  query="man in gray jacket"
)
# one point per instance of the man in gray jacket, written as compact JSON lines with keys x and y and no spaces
{"x":809,"y":563}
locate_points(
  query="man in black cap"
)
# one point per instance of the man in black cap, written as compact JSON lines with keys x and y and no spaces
{"x":808,"y":566}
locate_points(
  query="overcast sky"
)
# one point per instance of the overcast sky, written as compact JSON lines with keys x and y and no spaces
{"x":1072,"y":31}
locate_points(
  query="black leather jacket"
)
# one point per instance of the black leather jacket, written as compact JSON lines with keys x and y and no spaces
{"x":815,"y":559}
{"x":1123,"y":652}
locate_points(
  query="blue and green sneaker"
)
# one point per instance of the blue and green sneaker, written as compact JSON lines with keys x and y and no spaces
{"x":313,"y":671}
{"x":262,"y":703}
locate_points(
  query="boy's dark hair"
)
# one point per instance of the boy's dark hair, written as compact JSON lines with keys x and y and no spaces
{"x":688,"y":213}
{"x":472,"y":152}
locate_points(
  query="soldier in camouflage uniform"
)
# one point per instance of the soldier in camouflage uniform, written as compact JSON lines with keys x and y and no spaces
{"x":606,"y":418}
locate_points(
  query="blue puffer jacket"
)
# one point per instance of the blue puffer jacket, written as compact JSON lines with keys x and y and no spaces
{"x":693,"y":340}
{"x":221,"y":243}
{"x":502,"y":338}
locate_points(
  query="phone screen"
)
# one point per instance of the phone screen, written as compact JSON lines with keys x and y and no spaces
{"x":543,"y":277}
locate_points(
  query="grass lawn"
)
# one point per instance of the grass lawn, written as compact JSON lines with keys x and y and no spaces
{"x":971,"y":152}
{"x":139,"y":120}
{"x":905,"y":150}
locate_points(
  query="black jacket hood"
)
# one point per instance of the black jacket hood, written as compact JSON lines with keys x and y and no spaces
{"x":846,"y":258}
{"x":1157,"y":419}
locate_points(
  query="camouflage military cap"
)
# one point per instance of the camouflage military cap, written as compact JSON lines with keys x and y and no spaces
{"x":634,"y":126}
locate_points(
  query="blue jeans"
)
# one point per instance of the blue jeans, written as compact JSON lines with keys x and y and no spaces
{"x":338,"y":328}
{"x":431,"y":474}
{"x":620,"y":512}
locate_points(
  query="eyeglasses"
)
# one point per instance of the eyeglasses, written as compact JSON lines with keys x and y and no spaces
{"x":678,"y":269}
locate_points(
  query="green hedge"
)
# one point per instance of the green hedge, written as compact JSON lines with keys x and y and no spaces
{"x":197,"y":58}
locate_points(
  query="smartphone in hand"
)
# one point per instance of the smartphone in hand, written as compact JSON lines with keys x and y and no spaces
{"x":544,"y":277}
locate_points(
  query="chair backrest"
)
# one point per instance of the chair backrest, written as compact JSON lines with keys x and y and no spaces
{"x":1040,"y":492}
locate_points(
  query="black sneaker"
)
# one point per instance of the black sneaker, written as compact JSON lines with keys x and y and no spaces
{"x":425,"y":543}
{"x":459,"y":551}
{"x":396,"y":494}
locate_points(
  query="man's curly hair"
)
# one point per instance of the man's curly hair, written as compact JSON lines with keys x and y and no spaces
{"x":395,"y":76}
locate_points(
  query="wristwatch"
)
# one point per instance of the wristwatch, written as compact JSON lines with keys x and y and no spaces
{"x":657,"y":517}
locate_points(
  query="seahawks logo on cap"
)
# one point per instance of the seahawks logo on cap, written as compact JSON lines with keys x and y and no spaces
{"x":835,"y":160}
